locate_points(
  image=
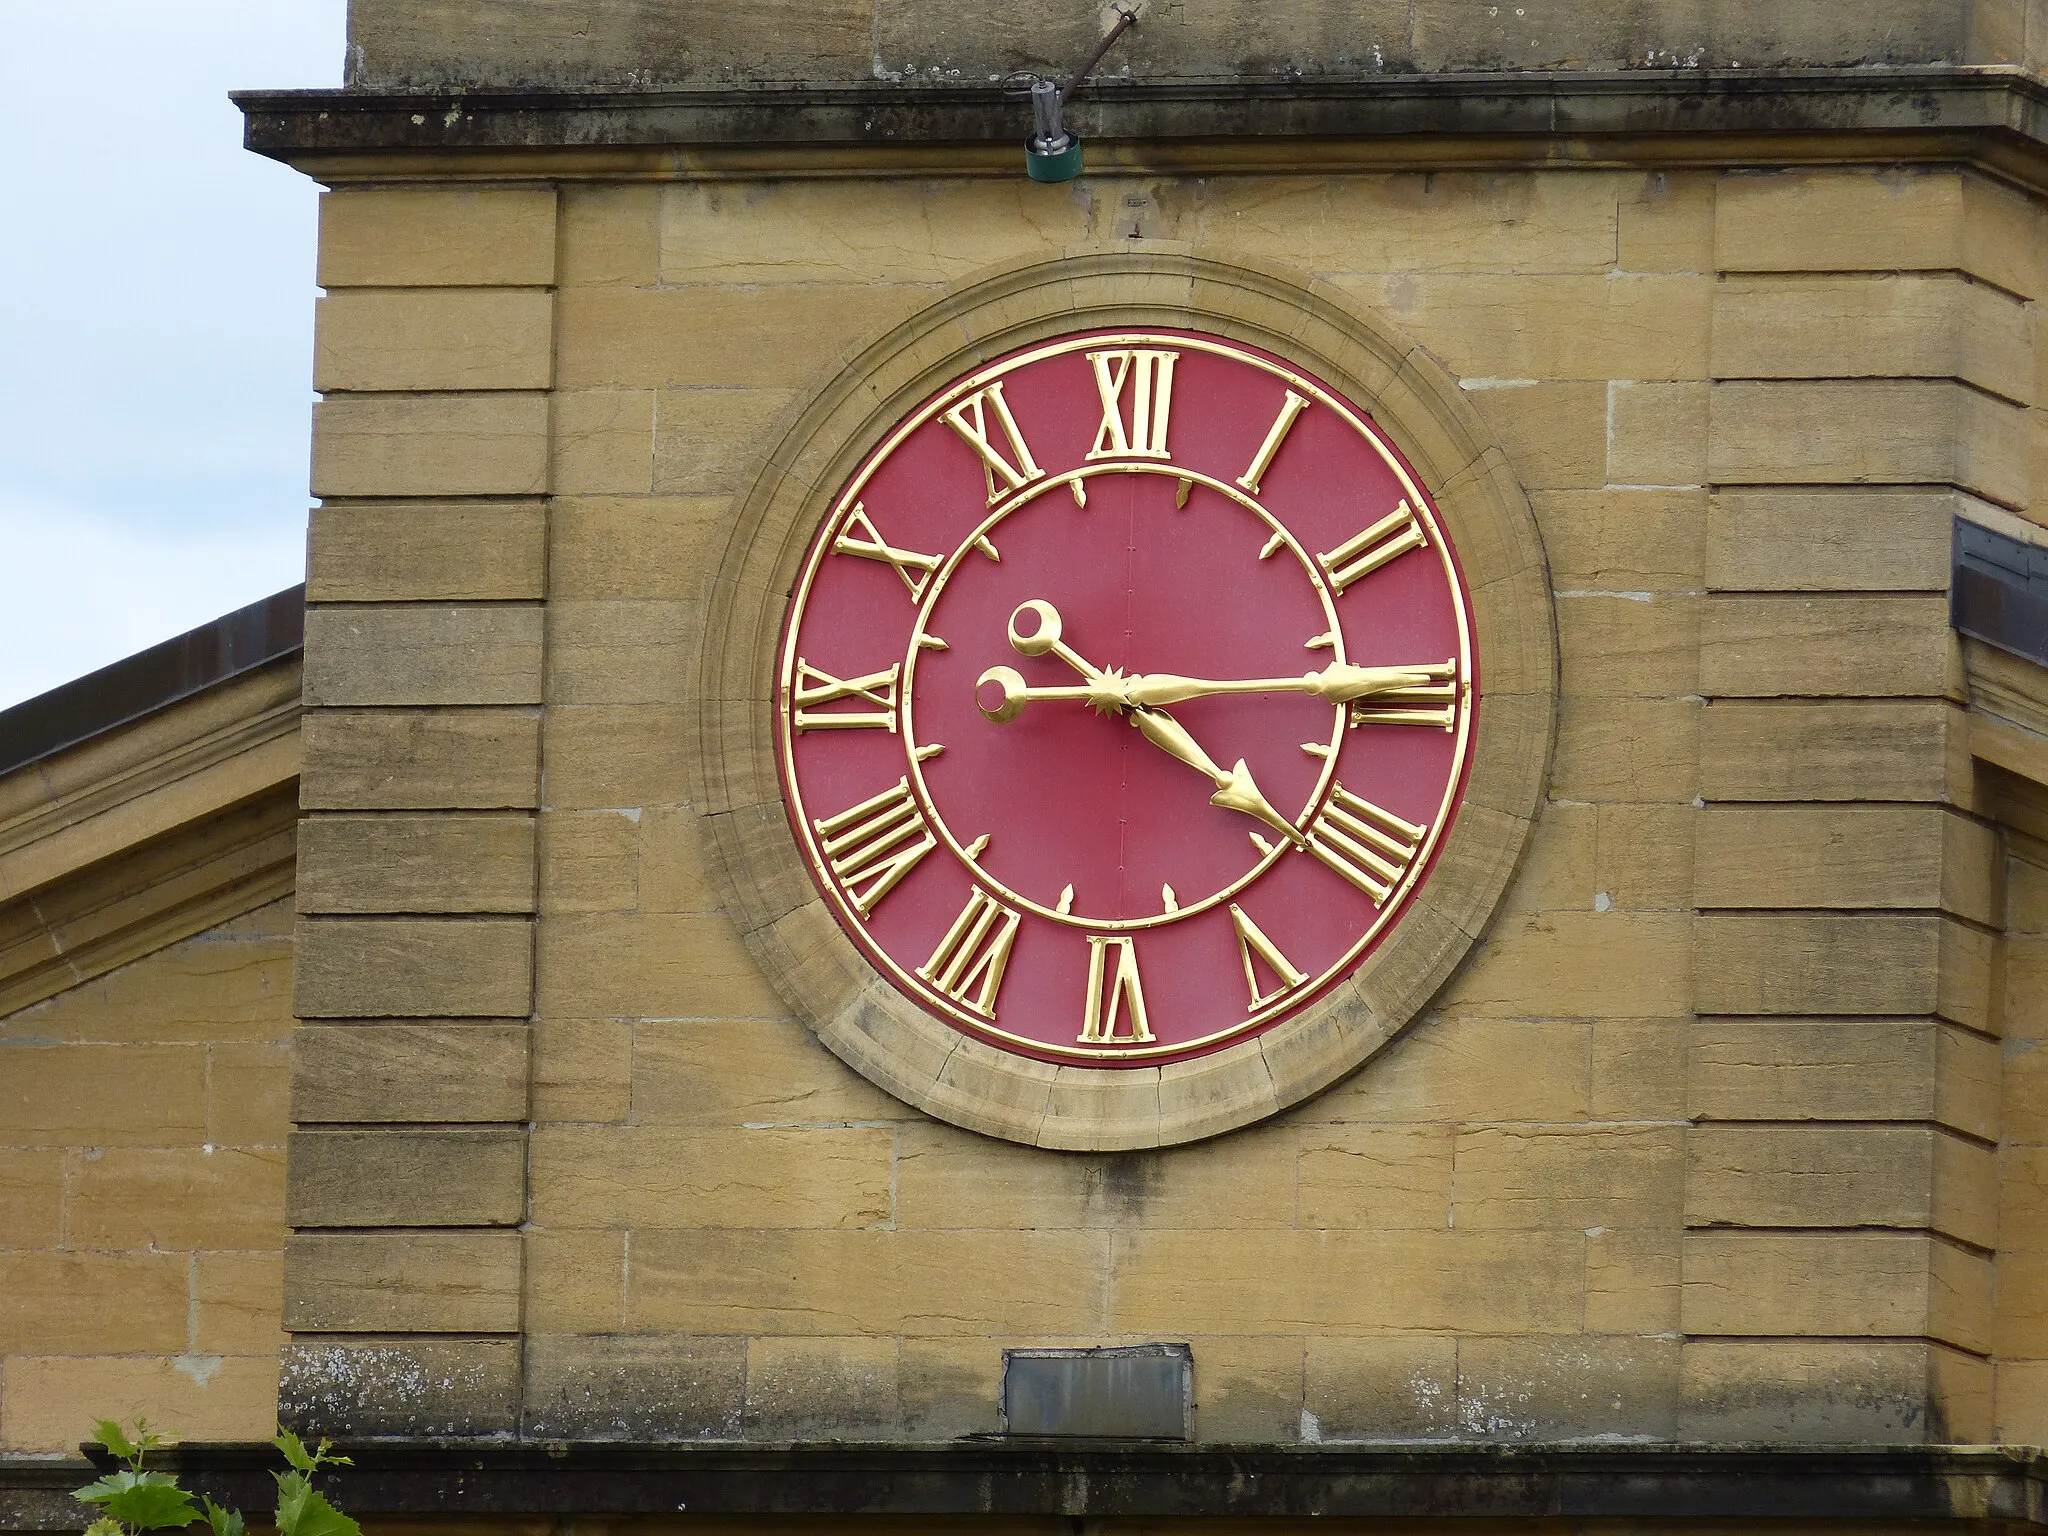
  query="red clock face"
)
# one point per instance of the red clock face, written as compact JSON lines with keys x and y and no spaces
{"x":1125,"y":694}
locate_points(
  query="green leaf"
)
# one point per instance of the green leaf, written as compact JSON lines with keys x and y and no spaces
{"x":105,"y":1527}
{"x":108,"y":1433}
{"x":295,"y":1451}
{"x":153,"y":1503}
{"x":225,"y":1522}
{"x":302,"y":1512}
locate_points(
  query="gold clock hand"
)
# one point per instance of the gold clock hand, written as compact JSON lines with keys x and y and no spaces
{"x":1235,"y":789}
{"x":1339,"y":683}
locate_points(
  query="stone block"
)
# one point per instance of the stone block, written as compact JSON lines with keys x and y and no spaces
{"x":1794,"y":539}
{"x":1579,"y":1388}
{"x":92,"y":1303}
{"x":822,"y":1388}
{"x":829,"y":1176}
{"x":616,"y":547}
{"x":1554,"y":434}
{"x":1633,"y":1281}
{"x":404,"y":1178}
{"x":1625,"y":541}
{"x":415,"y":1388}
{"x":604,"y":442}
{"x":575,"y":1281}
{"x":950,"y":1387}
{"x":1836,"y":1284}
{"x":785,"y":1283}
{"x":248,"y":1089}
{"x":1876,"y":325}
{"x":605,"y":756}
{"x":409,"y":1072}
{"x":31,"y":1197}
{"x":714,"y":441}
{"x":1657,"y":434}
{"x":1825,"y":964}
{"x":651,"y":965}
{"x":582,"y":1069}
{"x":746,"y":1071}
{"x":1175,"y":1283}
{"x":590,"y":861}
{"x":2021,"y":1390}
{"x":1833,"y":1392}
{"x":427,"y":551}
{"x":1837,"y":644}
{"x":1627,"y":645}
{"x":1804,"y":1069}
{"x":471,"y":237}
{"x":433,"y":339}
{"x":1455,"y":1067}
{"x":950,"y":1179}
{"x":421,"y":653}
{"x":1827,"y":750}
{"x":1393,"y":1387}
{"x":431,"y":445}
{"x":1817,"y":1176}
{"x":466,"y":759}
{"x":722,"y":337}
{"x":238,"y":1301}
{"x":1638,"y":1069}
{"x":611,"y":234}
{"x":415,"y":968}
{"x":1840,"y":221}
{"x":1847,"y":857}
{"x":634,"y":1387}
{"x":1548,"y":1179}
{"x":103,"y":1095}
{"x":621,"y":651}
{"x":1627,"y":749}
{"x":1374,"y":1176}
{"x":51,"y":1397}
{"x":1246,"y":1390}
{"x":1542,"y":326}
{"x":402,"y":1282}
{"x":1919,"y":432}
{"x":398,"y":863}
{"x":1668,"y":224}
{"x":165,"y":1199}
{"x":1581,"y":964}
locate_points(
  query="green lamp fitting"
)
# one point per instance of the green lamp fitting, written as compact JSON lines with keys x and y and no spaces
{"x":1053,"y":164}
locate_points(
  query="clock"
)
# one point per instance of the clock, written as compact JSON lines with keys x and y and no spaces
{"x":1125,"y":697}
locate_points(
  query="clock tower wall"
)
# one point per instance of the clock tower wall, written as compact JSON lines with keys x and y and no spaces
{"x":1699,"y":1142}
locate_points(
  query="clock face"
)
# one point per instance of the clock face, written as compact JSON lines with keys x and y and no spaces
{"x":1124,"y":697}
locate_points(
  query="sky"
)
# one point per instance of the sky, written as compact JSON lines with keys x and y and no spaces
{"x":156,"y":324}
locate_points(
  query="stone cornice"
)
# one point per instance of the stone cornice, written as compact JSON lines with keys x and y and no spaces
{"x":1988,"y":115}
{"x":1991,"y":1487}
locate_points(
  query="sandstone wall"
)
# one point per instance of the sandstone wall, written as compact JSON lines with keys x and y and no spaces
{"x":403,"y":44}
{"x":1699,"y":1144}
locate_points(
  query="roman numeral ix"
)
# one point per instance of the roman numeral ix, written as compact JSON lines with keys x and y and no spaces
{"x":815,"y":688}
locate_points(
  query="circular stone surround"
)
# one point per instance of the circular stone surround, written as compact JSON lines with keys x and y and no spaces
{"x":786,"y":924}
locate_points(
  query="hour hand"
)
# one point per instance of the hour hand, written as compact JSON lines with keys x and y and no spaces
{"x":1235,"y":788}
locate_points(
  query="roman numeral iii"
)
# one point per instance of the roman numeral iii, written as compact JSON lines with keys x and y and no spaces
{"x":1369,"y":847}
{"x":1363,"y":553}
{"x":1149,"y":378}
{"x":815,"y":688}
{"x":1116,"y":996}
{"x":974,"y":950}
{"x":1432,"y":703}
{"x":971,"y":418}
{"x":871,"y":846}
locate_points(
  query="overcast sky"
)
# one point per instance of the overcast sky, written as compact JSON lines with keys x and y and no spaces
{"x":156,"y":321}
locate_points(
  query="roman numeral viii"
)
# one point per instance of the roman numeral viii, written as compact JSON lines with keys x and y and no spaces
{"x":871,"y":846}
{"x":1369,"y":847}
{"x":815,"y":688}
{"x":1363,"y":553}
{"x":971,"y":957}
{"x":972,"y":418}
{"x":1149,"y":376}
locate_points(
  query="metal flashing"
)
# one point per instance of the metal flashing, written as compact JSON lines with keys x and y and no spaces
{"x":1998,"y":590}
{"x":153,"y":679}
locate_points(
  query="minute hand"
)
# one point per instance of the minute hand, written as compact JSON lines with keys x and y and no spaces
{"x":1339,"y":683}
